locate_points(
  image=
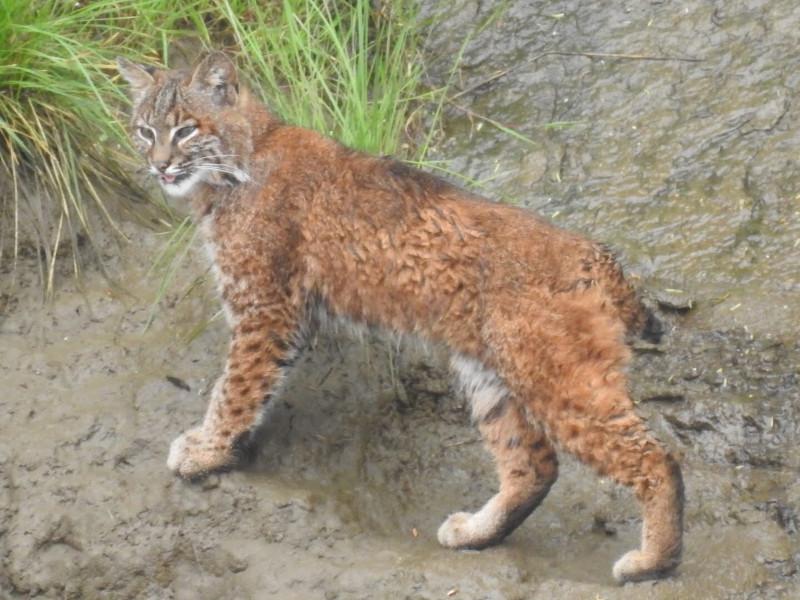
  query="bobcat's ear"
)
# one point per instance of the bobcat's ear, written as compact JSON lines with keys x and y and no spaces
{"x":139,"y":77}
{"x":216,"y":77}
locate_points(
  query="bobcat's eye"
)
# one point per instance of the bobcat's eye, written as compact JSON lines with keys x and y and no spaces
{"x":185,"y":132}
{"x":146,"y":134}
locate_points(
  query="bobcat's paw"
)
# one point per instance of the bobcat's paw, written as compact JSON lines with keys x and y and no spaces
{"x":465,"y":530}
{"x":638,"y":566}
{"x":455,"y":531}
{"x":195,"y":454}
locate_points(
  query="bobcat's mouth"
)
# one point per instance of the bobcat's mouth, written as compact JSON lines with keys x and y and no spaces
{"x":179,"y":184}
{"x":172,"y":178}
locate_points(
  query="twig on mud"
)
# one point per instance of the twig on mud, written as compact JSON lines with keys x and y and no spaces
{"x":620,"y":56}
{"x":178,"y":382}
{"x":324,"y":378}
{"x":461,"y":443}
{"x":331,"y":441}
{"x":501,"y":126}
{"x":510,"y":130}
{"x":614,"y":55}
{"x":482,"y":82}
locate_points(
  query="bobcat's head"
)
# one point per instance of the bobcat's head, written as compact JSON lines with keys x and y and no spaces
{"x":188,"y":124}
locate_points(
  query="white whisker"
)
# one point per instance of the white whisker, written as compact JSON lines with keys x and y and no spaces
{"x":217,"y":167}
{"x":213,"y":156}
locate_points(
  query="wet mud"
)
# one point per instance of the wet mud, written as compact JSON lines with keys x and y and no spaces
{"x":688,"y":169}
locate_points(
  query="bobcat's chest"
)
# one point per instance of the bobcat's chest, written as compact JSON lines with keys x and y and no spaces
{"x":234,"y":286}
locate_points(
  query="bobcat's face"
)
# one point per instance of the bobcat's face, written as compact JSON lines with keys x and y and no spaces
{"x":179,"y":126}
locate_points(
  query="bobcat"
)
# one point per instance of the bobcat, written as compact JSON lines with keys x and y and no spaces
{"x":299,"y":226}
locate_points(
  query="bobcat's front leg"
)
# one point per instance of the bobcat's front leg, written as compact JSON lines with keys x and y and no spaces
{"x":257,"y":357}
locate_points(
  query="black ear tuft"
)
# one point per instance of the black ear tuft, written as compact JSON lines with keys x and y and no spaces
{"x":216,"y":76}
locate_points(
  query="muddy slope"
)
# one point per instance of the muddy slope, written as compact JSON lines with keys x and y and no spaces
{"x":366,"y":452}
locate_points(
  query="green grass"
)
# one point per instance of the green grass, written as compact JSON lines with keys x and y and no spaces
{"x":341,"y":68}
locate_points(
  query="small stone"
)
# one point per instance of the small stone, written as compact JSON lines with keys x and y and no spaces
{"x":237,"y":565}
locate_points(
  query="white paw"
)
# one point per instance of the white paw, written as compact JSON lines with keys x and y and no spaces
{"x":194,"y":454}
{"x":455,"y":532}
{"x":638,"y":566}
{"x":177,"y":453}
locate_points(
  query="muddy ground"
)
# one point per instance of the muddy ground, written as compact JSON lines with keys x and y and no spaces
{"x":689,"y":169}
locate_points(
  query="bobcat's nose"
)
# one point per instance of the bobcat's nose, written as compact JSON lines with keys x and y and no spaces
{"x":160,"y":165}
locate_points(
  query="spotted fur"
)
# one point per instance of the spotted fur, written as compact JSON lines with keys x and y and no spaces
{"x":301,"y":229}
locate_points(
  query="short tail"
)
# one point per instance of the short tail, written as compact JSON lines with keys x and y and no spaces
{"x":653,"y":328}
{"x":638,"y":318}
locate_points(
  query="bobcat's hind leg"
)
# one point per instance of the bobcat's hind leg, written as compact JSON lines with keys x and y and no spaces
{"x":526,"y":465}
{"x":567,"y":360}
{"x":602,"y":430}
